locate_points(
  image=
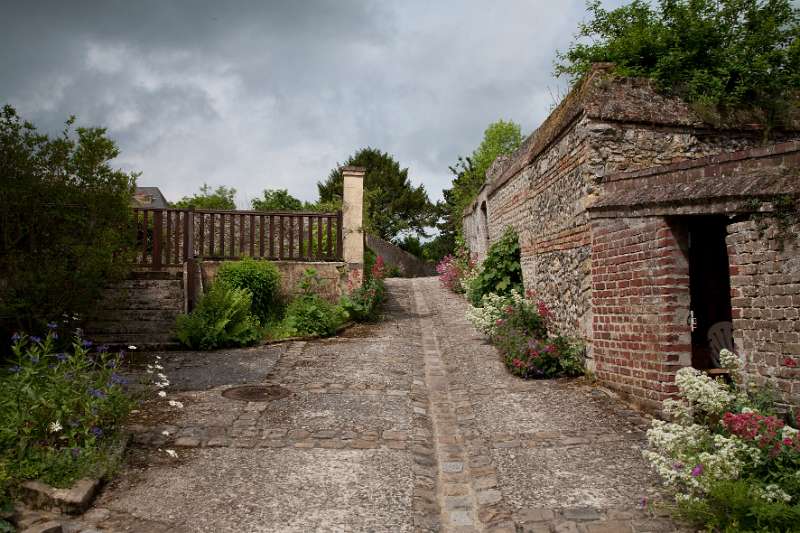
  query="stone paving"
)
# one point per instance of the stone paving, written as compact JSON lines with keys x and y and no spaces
{"x":411,"y":424}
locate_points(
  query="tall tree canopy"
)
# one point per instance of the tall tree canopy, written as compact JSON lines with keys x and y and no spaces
{"x":499,"y":138}
{"x":724,"y":55}
{"x":219,"y":198}
{"x":392,"y":204}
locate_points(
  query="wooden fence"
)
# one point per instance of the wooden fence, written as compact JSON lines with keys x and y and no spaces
{"x":169,"y":237}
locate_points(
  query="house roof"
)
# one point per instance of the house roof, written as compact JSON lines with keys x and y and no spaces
{"x":149,"y":197}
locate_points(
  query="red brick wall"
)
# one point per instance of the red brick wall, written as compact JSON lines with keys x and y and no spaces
{"x":765,"y":296}
{"x":640,"y":300}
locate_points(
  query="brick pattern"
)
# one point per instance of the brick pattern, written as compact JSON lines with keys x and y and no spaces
{"x":765,"y":297}
{"x":640,"y":296}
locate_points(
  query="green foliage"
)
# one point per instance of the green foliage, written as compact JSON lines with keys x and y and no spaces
{"x":65,"y":222}
{"x":528,"y":349}
{"x":221,"y":319}
{"x":261,"y":278}
{"x":310,"y":314}
{"x":412,"y":245}
{"x":500,"y":271}
{"x":59,"y":412}
{"x":391,"y":203}
{"x":736,"y":506}
{"x":726,"y":54}
{"x":363,"y":303}
{"x":499,"y":138}
{"x":278,"y":200}
{"x":219,"y":198}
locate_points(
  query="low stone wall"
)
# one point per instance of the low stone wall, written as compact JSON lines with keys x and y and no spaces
{"x":411,"y":265}
{"x":334,"y":276}
{"x":139,"y":311}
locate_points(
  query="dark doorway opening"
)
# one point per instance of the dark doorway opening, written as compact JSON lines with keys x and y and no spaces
{"x":710,"y":290}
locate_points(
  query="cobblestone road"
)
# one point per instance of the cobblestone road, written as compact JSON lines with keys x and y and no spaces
{"x":411,"y":424}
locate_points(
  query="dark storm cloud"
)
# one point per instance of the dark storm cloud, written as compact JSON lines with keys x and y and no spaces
{"x":274,"y":94}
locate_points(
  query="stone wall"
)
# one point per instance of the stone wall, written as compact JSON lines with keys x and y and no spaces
{"x":606,"y":125}
{"x":140,"y":311}
{"x":410,"y":265}
{"x":334,"y":276}
{"x":765,"y":290}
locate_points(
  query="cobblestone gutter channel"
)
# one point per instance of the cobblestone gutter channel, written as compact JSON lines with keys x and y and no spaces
{"x":456,"y":496}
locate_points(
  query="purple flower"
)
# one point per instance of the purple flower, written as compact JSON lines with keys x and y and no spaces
{"x":61,"y":356}
{"x":87,"y":343}
{"x":643,"y":502}
{"x":15,"y":337}
{"x":102,"y":348}
{"x":111,"y":364}
{"x":75,"y":452}
{"x":96,"y":431}
{"x":52,"y":325}
{"x":677,"y":466}
{"x":34,"y":358}
{"x":697,"y":470}
{"x":54,"y":336}
{"x":116,"y":379}
{"x":36,"y":339}
{"x":97,"y":393}
{"x":14,"y":369}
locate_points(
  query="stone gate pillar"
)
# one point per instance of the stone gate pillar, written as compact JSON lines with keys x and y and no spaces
{"x":353,"y":223}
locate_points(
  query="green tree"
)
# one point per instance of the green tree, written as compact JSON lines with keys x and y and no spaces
{"x":499,"y":138}
{"x":219,"y":198}
{"x":278,"y":200}
{"x":725,"y":56}
{"x":65,"y":222}
{"x":392,"y":203}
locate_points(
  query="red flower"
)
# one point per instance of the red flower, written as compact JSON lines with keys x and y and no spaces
{"x":543,"y":309}
{"x":788,"y":361}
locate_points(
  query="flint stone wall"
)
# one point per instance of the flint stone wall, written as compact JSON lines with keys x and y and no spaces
{"x":765,"y":290}
{"x":605,"y":125}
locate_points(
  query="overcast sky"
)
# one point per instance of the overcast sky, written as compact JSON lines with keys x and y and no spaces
{"x":265,"y":94}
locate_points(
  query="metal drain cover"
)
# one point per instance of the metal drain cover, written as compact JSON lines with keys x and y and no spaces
{"x":256,"y":393}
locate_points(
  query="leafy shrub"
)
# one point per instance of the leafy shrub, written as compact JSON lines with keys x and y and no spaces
{"x":729,"y":54}
{"x":729,"y":467}
{"x":221,"y":319}
{"x":363,"y":303}
{"x":261,"y":278}
{"x":58,"y":411}
{"x":454,"y":269}
{"x":521,"y":336}
{"x":500,"y":272}
{"x":492,"y":309}
{"x":310,"y":314}
{"x":65,"y":222}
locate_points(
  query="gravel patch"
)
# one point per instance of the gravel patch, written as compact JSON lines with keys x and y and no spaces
{"x":275,"y":491}
{"x":605,"y":476}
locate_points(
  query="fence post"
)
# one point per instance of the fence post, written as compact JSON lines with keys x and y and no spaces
{"x":352,"y":222}
{"x":188,"y":258}
{"x":158,"y":228}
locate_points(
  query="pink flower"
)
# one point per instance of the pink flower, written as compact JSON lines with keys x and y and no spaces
{"x":499,"y":322}
{"x":788,"y":361}
{"x":697,"y":470}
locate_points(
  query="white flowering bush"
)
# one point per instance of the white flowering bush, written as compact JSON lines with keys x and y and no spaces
{"x":494,"y":305}
{"x":729,"y":466}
